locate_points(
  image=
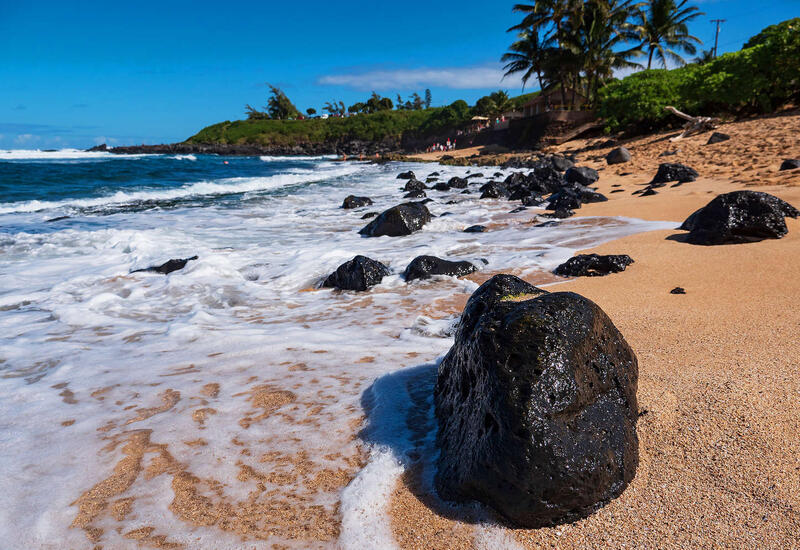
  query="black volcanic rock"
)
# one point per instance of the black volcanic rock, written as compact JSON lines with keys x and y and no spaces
{"x":431,"y":180}
{"x":475,"y":229}
{"x":369,"y":215}
{"x":790,"y":164}
{"x":593,"y":265}
{"x":167,"y":267}
{"x":360,"y":273}
{"x":397,"y":221}
{"x":678,"y":290}
{"x":351,"y":201}
{"x":442,"y":186}
{"x":669,"y":171}
{"x":414,"y":185}
{"x":532,"y":200}
{"x":581,"y":174}
{"x":618,"y":156}
{"x":493,"y":190}
{"x":560,"y":163}
{"x":406,"y":175}
{"x":536,"y":406}
{"x":475,"y":175}
{"x":458,"y":183}
{"x":558,"y":214}
{"x":417,"y":194}
{"x":423,"y":267}
{"x":739,"y":217}
{"x":717,"y":137}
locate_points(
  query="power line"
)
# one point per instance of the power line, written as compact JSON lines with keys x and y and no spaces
{"x":716,"y":35}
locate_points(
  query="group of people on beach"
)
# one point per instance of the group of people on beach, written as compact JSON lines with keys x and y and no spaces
{"x":447,"y":146}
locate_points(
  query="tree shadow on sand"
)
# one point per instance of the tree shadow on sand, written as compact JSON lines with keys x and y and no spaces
{"x":400,"y":418}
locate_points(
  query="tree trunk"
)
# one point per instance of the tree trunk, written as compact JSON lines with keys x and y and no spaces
{"x":650,"y":59}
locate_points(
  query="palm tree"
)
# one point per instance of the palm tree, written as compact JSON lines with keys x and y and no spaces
{"x":664,"y":30}
{"x":704,"y":57}
{"x":528,"y":56}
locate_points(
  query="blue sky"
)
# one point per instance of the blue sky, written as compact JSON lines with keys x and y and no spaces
{"x":78,"y":73}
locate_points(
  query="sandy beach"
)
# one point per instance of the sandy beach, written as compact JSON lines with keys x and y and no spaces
{"x":718,"y":390}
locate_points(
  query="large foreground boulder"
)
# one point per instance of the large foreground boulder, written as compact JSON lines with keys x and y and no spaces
{"x":739,"y":217}
{"x":593,"y":265}
{"x":536,"y":406}
{"x":360,"y":273}
{"x":581,"y":174}
{"x":397,"y":221}
{"x":423,"y":267}
{"x":351,"y":201}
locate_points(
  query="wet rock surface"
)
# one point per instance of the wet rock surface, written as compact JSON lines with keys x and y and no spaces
{"x":399,"y":220}
{"x":670,"y":171}
{"x":406,"y":175}
{"x":618,"y":156}
{"x":423,"y":267}
{"x":416,"y":194}
{"x":790,"y":164}
{"x":593,"y":265}
{"x":739,"y":217}
{"x":351,"y":201}
{"x":167,"y":267}
{"x":359,"y":274}
{"x":536,"y":406}
{"x":414,"y":185}
{"x":476,"y":229}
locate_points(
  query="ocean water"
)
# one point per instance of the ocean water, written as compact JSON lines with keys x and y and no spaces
{"x":233,"y":400}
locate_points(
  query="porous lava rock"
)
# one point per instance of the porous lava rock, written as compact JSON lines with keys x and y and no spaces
{"x":581,"y":174}
{"x":423,"y":267}
{"x":458,"y":183}
{"x":476,"y":229}
{"x":351,"y":201}
{"x":593,"y":265}
{"x":618,"y":156}
{"x":672,"y":171}
{"x":739,"y":217}
{"x":416,"y":194}
{"x":359,"y":274}
{"x":406,"y":175}
{"x":790,"y":164}
{"x":414,"y":185}
{"x":167,"y":267}
{"x":493,"y":190}
{"x":398,"y":221}
{"x":536,"y":406}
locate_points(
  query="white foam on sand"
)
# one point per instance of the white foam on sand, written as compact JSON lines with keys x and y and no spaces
{"x":84,"y":340}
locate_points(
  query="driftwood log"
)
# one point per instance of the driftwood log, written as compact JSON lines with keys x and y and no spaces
{"x":695,"y":124}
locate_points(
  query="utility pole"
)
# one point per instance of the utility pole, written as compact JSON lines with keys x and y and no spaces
{"x":716,"y":36}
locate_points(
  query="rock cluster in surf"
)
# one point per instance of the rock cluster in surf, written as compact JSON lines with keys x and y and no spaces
{"x":536,"y":405}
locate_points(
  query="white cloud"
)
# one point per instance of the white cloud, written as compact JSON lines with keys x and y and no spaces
{"x":26,"y":138}
{"x":464,"y":78}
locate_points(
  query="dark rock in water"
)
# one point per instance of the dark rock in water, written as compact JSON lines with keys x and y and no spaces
{"x":566,"y":199}
{"x":423,"y":267}
{"x":451,"y":202}
{"x":458,"y":183}
{"x":493,"y":190}
{"x":431,"y":180}
{"x":360,"y":273}
{"x":476,"y":229}
{"x":399,"y":220}
{"x":475,"y":175}
{"x":790,"y":164}
{"x":593,"y":265}
{"x":444,"y":214}
{"x":536,"y":406}
{"x":581,"y":174}
{"x":519,"y":209}
{"x":648,"y":192}
{"x":417,"y":194}
{"x":678,"y":290}
{"x":351,"y":201}
{"x":558,"y":214}
{"x":167,"y":267}
{"x":433,"y":174}
{"x":739,"y":217}
{"x":466,"y":192}
{"x":369,"y":215}
{"x":406,"y":175}
{"x":442,"y":186}
{"x":425,"y":201}
{"x":544,"y":180}
{"x":618,"y":156}
{"x":717,"y":137}
{"x":414,"y":185}
{"x":532,"y":200}
{"x":498,"y":174}
{"x":668,"y":172}
{"x":60,"y":218}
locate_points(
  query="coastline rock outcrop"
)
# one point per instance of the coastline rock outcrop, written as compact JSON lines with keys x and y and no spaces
{"x":536,"y":406}
{"x":581,"y":174}
{"x":359,"y":274}
{"x":351,"y":201}
{"x":398,"y":221}
{"x":739,"y":217}
{"x":618,"y":156}
{"x":593,"y":265}
{"x":167,"y":267}
{"x":423,"y":267}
